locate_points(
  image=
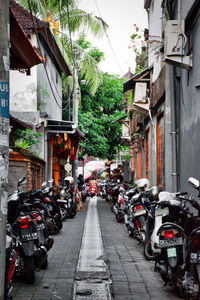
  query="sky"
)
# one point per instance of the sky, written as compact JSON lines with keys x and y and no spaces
{"x":120,"y":15}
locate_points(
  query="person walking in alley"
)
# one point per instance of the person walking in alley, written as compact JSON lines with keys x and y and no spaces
{"x":93,"y":186}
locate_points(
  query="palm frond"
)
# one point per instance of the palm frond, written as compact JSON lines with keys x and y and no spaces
{"x":42,"y":8}
{"x":88,"y":69}
{"x":82,"y":21}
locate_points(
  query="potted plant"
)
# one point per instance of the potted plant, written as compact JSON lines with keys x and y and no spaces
{"x":24,"y":140}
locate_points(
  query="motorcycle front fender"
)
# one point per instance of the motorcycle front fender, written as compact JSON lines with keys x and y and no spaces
{"x":28,"y":248}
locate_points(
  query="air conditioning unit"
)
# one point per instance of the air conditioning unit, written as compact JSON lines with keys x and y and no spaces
{"x":174,"y":39}
{"x":140,"y":93}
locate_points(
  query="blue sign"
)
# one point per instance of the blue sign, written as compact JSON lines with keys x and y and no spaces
{"x":4,"y":99}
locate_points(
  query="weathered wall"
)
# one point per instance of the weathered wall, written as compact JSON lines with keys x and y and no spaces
{"x":23,"y":91}
{"x":190,"y":115}
{"x":53,"y":100}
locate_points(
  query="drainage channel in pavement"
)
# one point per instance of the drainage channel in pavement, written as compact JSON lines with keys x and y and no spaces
{"x":92,"y":279}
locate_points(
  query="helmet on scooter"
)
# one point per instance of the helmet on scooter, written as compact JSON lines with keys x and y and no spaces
{"x":143,"y":184}
{"x":69,"y":180}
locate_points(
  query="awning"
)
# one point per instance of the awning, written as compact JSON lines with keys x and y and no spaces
{"x":141,"y":108}
{"x":60,"y":126}
{"x":142,"y":76}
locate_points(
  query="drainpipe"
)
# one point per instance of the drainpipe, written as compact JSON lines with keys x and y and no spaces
{"x":174,"y":134}
{"x":170,"y":132}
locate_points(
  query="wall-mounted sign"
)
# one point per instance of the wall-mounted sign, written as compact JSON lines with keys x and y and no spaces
{"x":4,"y":99}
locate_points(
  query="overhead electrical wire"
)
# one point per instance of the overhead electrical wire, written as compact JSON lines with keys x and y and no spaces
{"x":38,"y":41}
{"x":109,"y":41}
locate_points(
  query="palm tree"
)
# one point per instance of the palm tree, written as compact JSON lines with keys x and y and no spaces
{"x":71,"y":19}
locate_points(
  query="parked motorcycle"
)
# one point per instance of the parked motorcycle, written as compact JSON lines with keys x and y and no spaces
{"x":127,"y":203}
{"x":175,"y":241}
{"x":10,"y":263}
{"x":52,"y":211}
{"x":66,"y":198}
{"x":121,"y":207}
{"x":84,"y":192}
{"x":138,"y":211}
{"x":24,"y":231}
{"x":102,"y":189}
{"x":189,"y":283}
{"x":29,"y":233}
{"x":165,"y":207}
{"x":118,"y":207}
{"x":45,"y":241}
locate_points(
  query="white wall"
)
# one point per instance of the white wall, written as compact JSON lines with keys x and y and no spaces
{"x":23,"y":88}
{"x":23,"y":91}
{"x":54,"y":89}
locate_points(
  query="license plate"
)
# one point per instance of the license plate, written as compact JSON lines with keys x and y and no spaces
{"x":171,"y":242}
{"x":29,"y":236}
{"x":195,"y":258}
{"x":162,"y":211}
{"x":40,"y":226}
{"x":171,"y":252}
{"x":139,"y":213}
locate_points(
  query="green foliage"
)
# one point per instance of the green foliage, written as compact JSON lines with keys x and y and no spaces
{"x":97,"y":116}
{"x":25,"y":139}
{"x":107,"y":99}
{"x":79,"y":21}
{"x":140,"y":49}
{"x":94,"y":52}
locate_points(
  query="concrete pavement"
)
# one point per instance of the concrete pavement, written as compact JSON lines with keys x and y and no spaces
{"x":132,"y":276}
{"x":127,"y":274}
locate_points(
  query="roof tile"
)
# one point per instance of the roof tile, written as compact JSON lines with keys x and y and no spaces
{"x":25,"y":19}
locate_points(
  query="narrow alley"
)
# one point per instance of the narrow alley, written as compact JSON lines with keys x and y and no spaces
{"x":94,"y":258}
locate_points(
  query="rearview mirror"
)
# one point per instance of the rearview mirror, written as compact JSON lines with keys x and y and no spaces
{"x":194,"y":182}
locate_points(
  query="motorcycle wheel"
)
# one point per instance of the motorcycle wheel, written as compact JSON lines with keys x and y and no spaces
{"x":44,"y":263}
{"x":130,"y":233}
{"x":119,"y":220}
{"x":29,"y":269}
{"x":148,"y":254}
{"x":72,"y":211}
{"x":58,"y":226}
{"x":63,"y":213}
